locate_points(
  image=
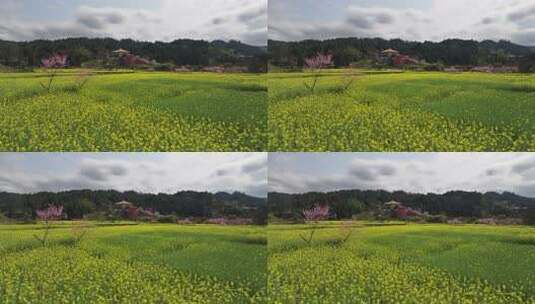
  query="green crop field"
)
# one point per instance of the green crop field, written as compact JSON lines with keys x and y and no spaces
{"x":409,"y":111}
{"x":141,"y":111}
{"x":146,"y":263}
{"x":415,"y":263}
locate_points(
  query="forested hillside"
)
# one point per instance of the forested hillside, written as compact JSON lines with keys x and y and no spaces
{"x":347,"y":203}
{"x":79,"y":203}
{"x":178,"y":52}
{"x":448,"y":52}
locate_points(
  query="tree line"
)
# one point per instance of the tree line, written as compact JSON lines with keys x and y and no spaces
{"x":449,"y":52}
{"x":347,"y":203}
{"x":178,"y":52}
{"x":78,"y":204}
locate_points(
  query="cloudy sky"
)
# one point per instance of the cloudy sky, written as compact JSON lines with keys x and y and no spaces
{"x":163,"y":20}
{"x":418,"y":20}
{"x":144,"y":172}
{"x":413,"y":172}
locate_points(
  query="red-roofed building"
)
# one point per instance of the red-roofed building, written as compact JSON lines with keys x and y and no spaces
{"x":131,"y":59}
{"x":399,"y":210}
{"x":404,"y":60}
{"x":403,"y":212}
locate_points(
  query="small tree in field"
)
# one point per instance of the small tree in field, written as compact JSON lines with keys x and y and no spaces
{"x":79,"y":231}
{"x":81,"y":79}
{"x":346,"y":229}
{"x":315,"y":64}
{"x":46,"y":216}
{"x":313,"y":216}
{"x":51,"y":64}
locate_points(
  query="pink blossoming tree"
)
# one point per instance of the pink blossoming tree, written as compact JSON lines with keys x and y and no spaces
{"x":52,"y":64}
{"x":315,"y":64}
{"x":47,"y":216}
{"x":313,"y":216}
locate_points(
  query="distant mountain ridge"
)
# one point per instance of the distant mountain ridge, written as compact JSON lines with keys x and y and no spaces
{"x":449,"y":52}
{"x":240,"y":197}
{"x":78,"y":203}
{"x":180,"y":51}
{"x":452,"y":203}
{"x":508,"y":46}
{"x":240,"y":48}
{"x":515,"y":48}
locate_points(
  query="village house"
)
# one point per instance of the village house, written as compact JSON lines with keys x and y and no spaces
{"x":132,"y":59}
{"x":404,"y":60}
{"x":390,"y":53}
{"x":213,"y":69}
{"x":395,"y":58}
{"x":458,"y":68}
{"x":401,"y":211}
{"x":130,"y":211}
{"x":482,"y":69}
{"x":126,"y":58}
{"x":120,"y":53}
{"x":181,"y":69}
{"x":147,"y":214}
{"x":456,"y":221}
{"x":452,"y":70}
{"x":387,"y":56}
{"x":126,"y":209}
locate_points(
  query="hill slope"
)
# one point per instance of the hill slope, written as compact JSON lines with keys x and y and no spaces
{"x":78,"y":203}
{"x":181,"y":51}
{"x":453,"y":203}
{"x":449,"y":52}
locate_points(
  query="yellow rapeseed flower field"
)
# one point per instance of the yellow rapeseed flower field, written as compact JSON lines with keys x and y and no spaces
{"x":147,"y":263}
{"x":408,"y":111}
{"x":432,"y":263}
{"x":139,"y":111}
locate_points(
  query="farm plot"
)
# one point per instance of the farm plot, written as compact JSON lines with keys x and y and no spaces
{"x":433,"y":263}
{"x":409,"y":111}
{"x":154,"y":263}
{"x":125,"y":111}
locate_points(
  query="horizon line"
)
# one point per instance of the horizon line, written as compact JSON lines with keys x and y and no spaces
{"x":399,"y":190}
{"x":405,"y":40}
{"x":140,"y":192}
{"x":136,"y":40}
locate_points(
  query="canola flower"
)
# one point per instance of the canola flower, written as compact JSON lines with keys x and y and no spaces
{"x":402,"y":264}
{"x":134,"y":112}
{"x":64,"y":275}
{"x":402,"y":112}
{"x":133,"y":264}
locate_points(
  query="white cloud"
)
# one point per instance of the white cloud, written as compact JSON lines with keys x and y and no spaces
{"x":414,"y":172}
{"x":479,"y":20}
{"x":159,"y":172}
{"x":244,"y":20}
